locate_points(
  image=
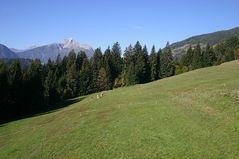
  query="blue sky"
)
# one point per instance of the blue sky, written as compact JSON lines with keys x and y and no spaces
{"x":103,"y":22}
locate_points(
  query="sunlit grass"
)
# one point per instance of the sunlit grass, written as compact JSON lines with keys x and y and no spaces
{"x":192,"y":115}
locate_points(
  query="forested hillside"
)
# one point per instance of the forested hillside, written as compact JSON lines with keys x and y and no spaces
{"x":37,"y":88}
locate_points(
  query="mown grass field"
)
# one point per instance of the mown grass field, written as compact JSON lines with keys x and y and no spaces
{"x":192,"y":115}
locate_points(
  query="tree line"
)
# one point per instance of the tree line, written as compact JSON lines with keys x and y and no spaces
{"x":40,"y":86}
{"x":199,"y":57}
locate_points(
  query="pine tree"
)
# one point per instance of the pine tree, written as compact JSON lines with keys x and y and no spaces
{"x":153,"y":65}
{"x":145,"y":74}
{"x":187,"y":58}
{"x":50,"y":83}
{"x":166,"y":63}
{"x":84,"y":77}
{"x":34,"y":87}
{"x":108,"y":65}
{"x":129,"y":66}
{"x":96,"y":64}
{"x":4,"y":91}
{"x":15,"y":79}
{"x":71,"y":76}
{"x":159,"y":54}
{"x":208,"y":56}
{"x":102,"y":80}
{"x":138,"y":67}
{"x":197,"y":57}
{"x":79,"y":60}
{"x":117,"y":62}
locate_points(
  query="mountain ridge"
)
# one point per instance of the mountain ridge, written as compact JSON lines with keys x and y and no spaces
{"x":48,"y":51}
{"x":213,"y":38}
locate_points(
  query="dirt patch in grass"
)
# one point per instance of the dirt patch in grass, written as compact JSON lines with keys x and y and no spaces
{"x":46,"y":120}
{"x":102,"y":115}
{"x":83,"y":109}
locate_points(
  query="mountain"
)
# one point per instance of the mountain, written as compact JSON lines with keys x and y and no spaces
{"x":51,"y":51}
{"x":5,"y":52}
{"x":180,"y":47}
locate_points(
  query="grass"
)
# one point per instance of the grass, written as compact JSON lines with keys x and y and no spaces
{"x":192,"y":115}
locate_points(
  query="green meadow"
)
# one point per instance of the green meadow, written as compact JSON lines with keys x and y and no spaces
{"x":192,"y":115}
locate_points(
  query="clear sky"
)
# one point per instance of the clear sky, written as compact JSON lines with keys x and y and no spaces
{"x":24,"y":23}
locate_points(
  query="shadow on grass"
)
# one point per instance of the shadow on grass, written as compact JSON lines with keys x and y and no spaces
{"x":47,"y":110}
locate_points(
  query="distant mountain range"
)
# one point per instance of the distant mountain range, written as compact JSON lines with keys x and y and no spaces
{"x":46,"y":52}
{"x":214,"y":38}
{"x":5,"y":52}
{"x":52,"y":50}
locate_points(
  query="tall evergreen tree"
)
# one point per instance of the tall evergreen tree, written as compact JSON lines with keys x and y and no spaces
{"x":71,"y":76}
{"x":187,"y":58}
{"x":145,"y":75}
{"x":34,"y":87}
{"x":117,"y":62}
{"x":50,"y":83}
{"x":159,"y":54}
{"x":129,"y":66}
{"x":153,"y":65}
{"x":197,"y":57}
{"x":4,"y":91}
{"x":84,"y":77}
{"x":15,"y":79}
{"x":96,"y":64}
{"x":102,"y":80}
{"x":109,"y":68}
{"x":138,"y":67}
{"x":166,"y":63}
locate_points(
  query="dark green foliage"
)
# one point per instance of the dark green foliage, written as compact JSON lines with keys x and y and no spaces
{"x":141,"y":65}
{"x":158,"y":63}
{"x":109,"y":68}
{"x":71,"y":76}
{"x":129,"y":66}
{"x":187,"y":58}
{"x":117,"y":62}
{"x":208,"y":56}
{"x":84,"y":76}
{"x":33,"y":89}
{"x":50,"y":83}
{"x":4,"y":90}
{"x":96,"y":63}
{"x":102,"y":80}
{"x":167,"y":66}
{"x":145,"y":75}
{"x":197,"y":57}
{"x":153,"y":65}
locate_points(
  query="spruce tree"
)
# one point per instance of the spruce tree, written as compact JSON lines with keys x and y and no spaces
{"x":15,"y":79}
{"x":145,"y":74}
{"x":117,"y":62}
{"x":166,"y":63}
{"x":4,"y":91}
{"x":84,"y":77}
{"x":197,"y":57}
{"x":108,"y":65}
{"x":153,"y":65}
{"x":34,"y":87}
{"x":208,"y":56}
{"x":96,"y":64}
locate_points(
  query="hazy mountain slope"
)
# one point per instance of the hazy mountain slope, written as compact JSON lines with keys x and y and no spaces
{"x":5,"y":52}
{"x":211,"y":38}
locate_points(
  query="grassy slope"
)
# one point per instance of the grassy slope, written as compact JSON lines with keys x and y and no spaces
{"x":193,"y":115}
